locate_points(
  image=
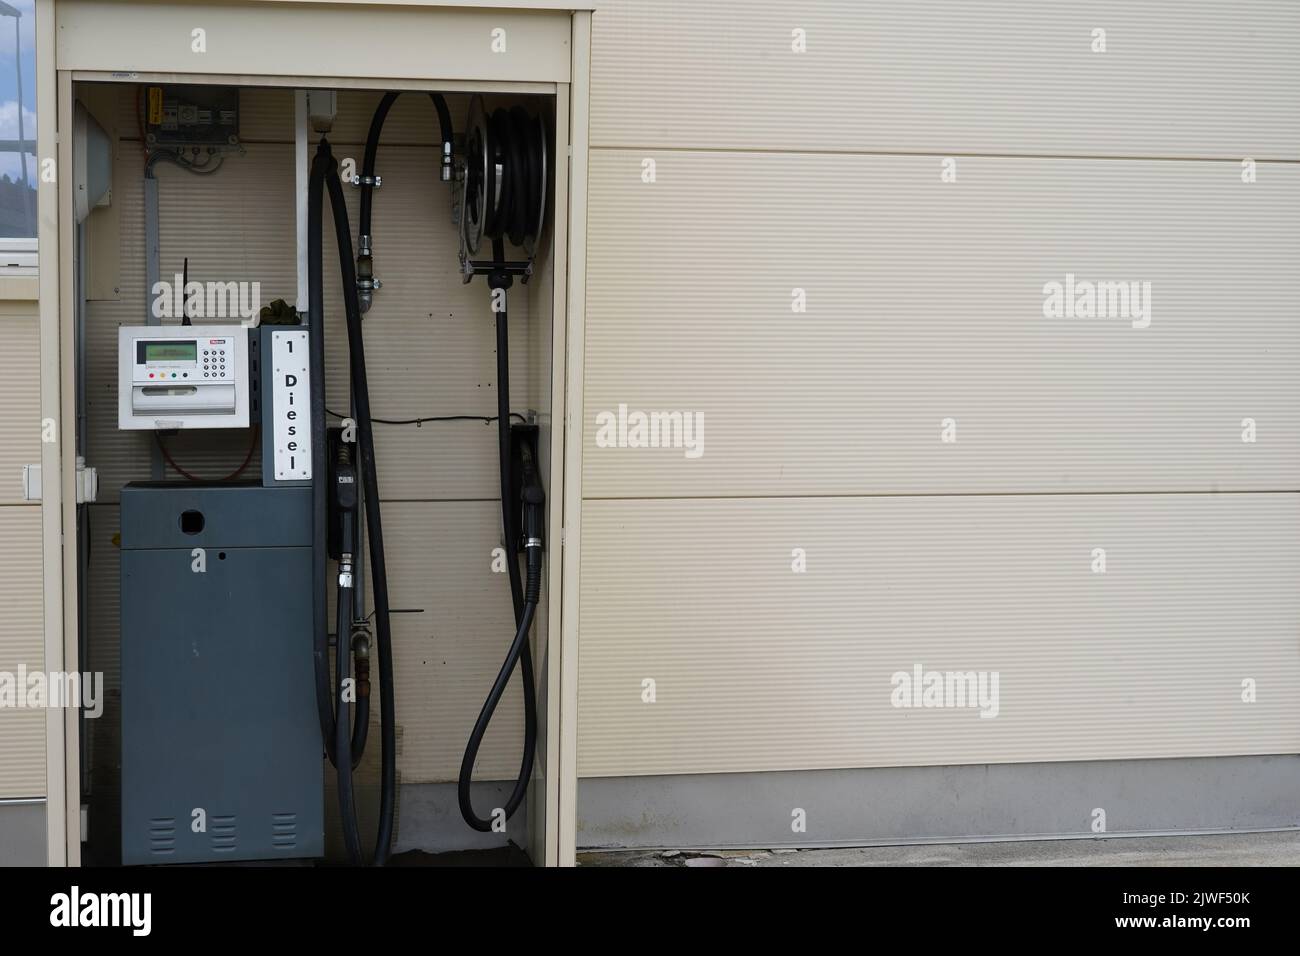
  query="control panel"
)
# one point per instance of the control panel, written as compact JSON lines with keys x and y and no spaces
{"x":172,"y":377}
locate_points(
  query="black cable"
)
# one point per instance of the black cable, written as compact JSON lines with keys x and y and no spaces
{"x":207,"y":169}
{"x":485,"y":419}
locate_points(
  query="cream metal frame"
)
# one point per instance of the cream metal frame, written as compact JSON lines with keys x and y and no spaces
{"x":57,"y":70}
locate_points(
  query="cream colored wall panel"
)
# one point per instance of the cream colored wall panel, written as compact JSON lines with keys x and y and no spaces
{"x":760,"y":668}
{"x":1015,"y":76}
{"x":925,"y":302}
{"x":279,"y":40}
{"x":22,"y":730}
{"x":439,"y":557}
{"x":20,"y":397}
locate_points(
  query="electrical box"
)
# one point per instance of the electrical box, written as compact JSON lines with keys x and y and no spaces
{"x":192,"y":116}
{"x":182,"y":376}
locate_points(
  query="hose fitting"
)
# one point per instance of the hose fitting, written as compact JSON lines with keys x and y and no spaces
{"x":366,"y":281}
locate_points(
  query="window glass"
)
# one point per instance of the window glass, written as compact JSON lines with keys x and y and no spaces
{"x":18,"y":164}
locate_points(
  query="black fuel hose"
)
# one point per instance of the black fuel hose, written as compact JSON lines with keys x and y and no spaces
{"x":367,"y":181}
{"x":319,"y":489}
{"x":324,"y":177}
{"x":342,"y":740}
{"x":524,"y":599}
{"x":372,"y":148}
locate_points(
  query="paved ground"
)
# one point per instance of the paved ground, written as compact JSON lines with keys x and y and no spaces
{"x":1243,"y":849}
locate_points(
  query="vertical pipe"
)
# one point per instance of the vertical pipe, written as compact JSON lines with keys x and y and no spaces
{"x":301,"y":175}
{"x":153,"y":273}
{"x":83,"y":510}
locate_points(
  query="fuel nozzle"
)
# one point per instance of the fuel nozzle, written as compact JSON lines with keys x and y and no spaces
{"x":344,"y":473}
{"x":534,"y":521}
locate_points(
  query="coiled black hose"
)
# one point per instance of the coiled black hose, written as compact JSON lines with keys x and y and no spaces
{"x":506,"y":176}
{"x":324,"y":177}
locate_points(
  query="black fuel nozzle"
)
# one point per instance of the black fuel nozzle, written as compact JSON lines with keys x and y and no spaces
{"x":343,"y":491}
{"x":534,"y":522}
{"x":527,"y":490}
{"x":344,"y":478}
{"x":534,"y":500}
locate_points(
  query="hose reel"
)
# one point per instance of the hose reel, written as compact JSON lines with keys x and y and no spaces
{"x":505,"y":184}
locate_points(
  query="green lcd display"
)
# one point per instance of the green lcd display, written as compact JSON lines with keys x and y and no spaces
{"x":170,"y":352}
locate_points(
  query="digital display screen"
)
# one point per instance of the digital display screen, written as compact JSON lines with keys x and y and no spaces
{"x":169,"y":352}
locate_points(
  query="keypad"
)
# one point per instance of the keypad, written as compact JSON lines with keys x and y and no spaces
{"x":214,"y":359}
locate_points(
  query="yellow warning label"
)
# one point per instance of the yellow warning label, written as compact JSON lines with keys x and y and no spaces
{"x":155,"y":106}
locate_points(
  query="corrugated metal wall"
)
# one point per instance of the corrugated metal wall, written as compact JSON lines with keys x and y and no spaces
{"x":430,"y":351}
{"x":823,"y":171}
{"x":22,"y":731}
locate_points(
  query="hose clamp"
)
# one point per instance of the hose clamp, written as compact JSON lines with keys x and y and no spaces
{"x":533,"y":543}
{"x":374,"y":181}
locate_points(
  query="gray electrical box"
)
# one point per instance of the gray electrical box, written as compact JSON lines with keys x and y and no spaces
{"x":179,"y":115}
{"x":221,"y":744}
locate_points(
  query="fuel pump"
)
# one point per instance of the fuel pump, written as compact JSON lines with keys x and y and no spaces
{"x":245,"y":563}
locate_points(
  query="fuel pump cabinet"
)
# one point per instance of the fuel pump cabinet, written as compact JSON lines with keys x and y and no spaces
{"x":221,"y":749}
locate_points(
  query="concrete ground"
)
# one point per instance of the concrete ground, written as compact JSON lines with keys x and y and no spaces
{"x":1239,"y":849}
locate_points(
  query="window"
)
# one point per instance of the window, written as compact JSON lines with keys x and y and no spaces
{"x":19,"y":168}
